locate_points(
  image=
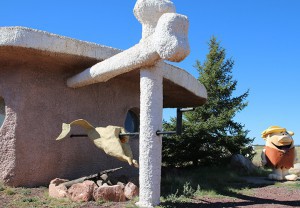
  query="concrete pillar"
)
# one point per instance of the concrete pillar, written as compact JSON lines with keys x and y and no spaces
{"x":164,"y":37}
{"x":151,"y":105}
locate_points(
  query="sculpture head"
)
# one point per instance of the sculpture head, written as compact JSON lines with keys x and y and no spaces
{"x":169,"y":31}
{"x":171,"y":37}
{"x":278,"y":138}
{"x":148,"y":12}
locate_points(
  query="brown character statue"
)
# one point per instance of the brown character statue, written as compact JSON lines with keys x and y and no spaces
{"x":279,"y":153}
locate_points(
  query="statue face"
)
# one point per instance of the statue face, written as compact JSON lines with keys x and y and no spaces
{"x":280,"y":140}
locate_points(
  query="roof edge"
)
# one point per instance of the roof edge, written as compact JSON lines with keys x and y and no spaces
{"x":40,"y":40}
{"x":17,"y":36}
{"x":184,"y":79}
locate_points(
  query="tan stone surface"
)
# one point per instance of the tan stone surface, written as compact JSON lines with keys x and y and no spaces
{"x":82,"y":191}
{"x":56,"y":189}
{"x":109,"y":193}
{"x":131,"y":190}
{"x":38,"y":102}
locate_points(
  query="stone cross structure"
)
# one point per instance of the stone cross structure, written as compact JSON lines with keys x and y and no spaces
{"x":164,"y":37}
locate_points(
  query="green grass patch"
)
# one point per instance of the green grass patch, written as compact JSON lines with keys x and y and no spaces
{"x":9,"y":191}
{"x":2,"y":188}
{"x":208,"y":181}
{"x":290,"y":185}
{"x":181,"y":185}
{"x":33,"y":197}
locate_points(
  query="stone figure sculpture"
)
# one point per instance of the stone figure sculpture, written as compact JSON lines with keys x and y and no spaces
{"x":279,"y":153}
{"x":105,"y":138}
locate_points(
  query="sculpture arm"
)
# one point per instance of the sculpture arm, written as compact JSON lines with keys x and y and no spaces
{"x":263,"y":157}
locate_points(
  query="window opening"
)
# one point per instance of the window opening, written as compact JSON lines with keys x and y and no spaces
{"x":2,"y":111}
{"x":132,"y":123}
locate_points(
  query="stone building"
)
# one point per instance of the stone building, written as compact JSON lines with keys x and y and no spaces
{"x":35,"y":100}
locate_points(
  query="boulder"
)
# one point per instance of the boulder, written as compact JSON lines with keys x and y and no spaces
{"x":99,"y":182}
{"x":104,"y":177}
{"x":121,"y":184}
{"x":56,"y":189}
{"x":131,"y":190}
{"x":242,"y":164}
{"x":82,"y":192}
{"x":110,"y":193}
{"x":108,"y":179}
{"x":295,"y":170}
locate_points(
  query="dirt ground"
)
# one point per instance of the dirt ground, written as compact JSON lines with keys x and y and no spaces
{"x":269,"y":196}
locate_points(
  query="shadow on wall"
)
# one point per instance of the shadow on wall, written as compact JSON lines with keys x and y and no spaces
{"x":2,"y":111}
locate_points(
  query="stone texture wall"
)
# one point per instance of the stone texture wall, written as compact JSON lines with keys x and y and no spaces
{"x":38,"y":102}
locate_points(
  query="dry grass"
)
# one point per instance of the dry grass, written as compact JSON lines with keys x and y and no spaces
{"x":11,"y":197}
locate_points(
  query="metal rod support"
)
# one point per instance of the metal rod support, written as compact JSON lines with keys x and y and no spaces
{"x":78,"y":135}
{"x":178,"y":126}
{"x":179,"y":119}
{"x":121,"y":134}
{"x":129,"y":134}
{"x":165,"y":132}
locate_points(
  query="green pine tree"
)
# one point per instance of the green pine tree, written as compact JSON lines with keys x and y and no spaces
{"x":210,"y":135}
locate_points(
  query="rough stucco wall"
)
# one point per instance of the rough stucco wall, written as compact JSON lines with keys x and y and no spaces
{"x":150,"y":144}
{"x":38,"y":102}
{"x":7,"y":131}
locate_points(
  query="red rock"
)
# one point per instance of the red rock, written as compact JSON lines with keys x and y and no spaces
{"x":110,"y":193}
{"x":82,"y":191}
{"x":122,"y":185}
{"x":131,"y":190}
{"x":56,"y":190}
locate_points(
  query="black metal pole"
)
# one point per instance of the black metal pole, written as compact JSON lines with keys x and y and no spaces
{"x":78,"y":135}
{"x":165,"y":132}
{"x":178,"y":126}
{"x":179,"y":122}
{"x":129,"y":134}
{"x":121,"y":134}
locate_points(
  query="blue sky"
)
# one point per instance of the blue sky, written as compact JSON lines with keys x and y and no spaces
{"x":262,"y":37}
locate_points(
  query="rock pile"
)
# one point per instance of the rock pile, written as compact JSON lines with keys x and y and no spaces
{"x":242,"y":164}
{"x":106,"y":188}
